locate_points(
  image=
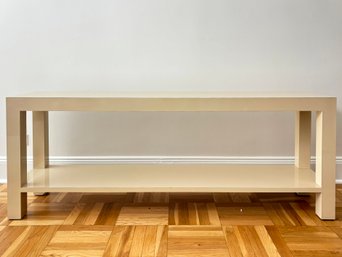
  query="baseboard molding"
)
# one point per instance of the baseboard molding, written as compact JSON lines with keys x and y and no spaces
{"x":171,"y":159}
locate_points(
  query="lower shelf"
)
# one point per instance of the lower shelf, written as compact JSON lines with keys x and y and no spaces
{"x":171,"y":178}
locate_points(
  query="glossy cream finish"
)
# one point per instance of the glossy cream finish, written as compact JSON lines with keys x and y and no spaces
{"x":174,"y":178}
{"x":303,"y":139}
{"x":174,"y":102}
{"x":326,"y":162}
{"x":40,"y":141}
{"x":16,"y":163}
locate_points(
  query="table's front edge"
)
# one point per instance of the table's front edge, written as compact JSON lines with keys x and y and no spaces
{"x":171,"y":104}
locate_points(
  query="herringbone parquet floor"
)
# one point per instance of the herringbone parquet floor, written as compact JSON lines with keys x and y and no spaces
{"x":174,"y":225}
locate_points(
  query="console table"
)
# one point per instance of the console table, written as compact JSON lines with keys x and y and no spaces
{"x":171,"y":177}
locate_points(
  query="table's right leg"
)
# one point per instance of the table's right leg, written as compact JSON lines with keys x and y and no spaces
{"x":16,"y":162}
{"x":326,"y":163}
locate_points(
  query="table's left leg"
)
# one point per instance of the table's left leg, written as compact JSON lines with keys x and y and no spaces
{"x":16,"y":162}
{"x":40,"y":122}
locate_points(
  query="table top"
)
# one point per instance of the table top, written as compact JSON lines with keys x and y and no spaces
{"x":170,"y":101}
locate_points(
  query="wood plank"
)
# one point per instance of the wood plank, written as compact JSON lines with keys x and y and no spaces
{"x":311,"y":238}
{"x":280,"y":215}
{"x":235,"y":248}
{"x":143,"y":215}
{"x":109,"y":214}
{"x":243,"y":214}
{"x":266,"y":241}
{"x":44,"y":214}
{"x":144,"y":241}
{"x":193,"y":214}
{"x":10,"y":236}
{"x":78,"y":240}
{"x":31,"y":242}
{"x":196,"y":241}
{"x":278,"y":241}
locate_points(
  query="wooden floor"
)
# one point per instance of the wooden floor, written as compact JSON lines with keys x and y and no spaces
{"x":175,"y":224}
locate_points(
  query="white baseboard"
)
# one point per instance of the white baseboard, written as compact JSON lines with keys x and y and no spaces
{"x":169,"y":159}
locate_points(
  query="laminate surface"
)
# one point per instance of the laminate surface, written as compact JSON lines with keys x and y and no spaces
{"x":171,"y":178}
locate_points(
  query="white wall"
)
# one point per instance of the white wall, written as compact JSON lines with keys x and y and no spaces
{"x":180,"y":45}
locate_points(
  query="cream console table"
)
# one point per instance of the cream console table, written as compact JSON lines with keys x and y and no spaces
{"x":171,"y":177}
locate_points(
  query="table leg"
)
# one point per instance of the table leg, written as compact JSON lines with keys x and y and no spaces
{"x":326,"y":162}
{"x":40,"y":122}
{"x":303,"y":140}
{"x":16,"y":162}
